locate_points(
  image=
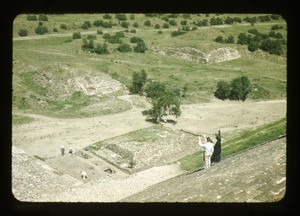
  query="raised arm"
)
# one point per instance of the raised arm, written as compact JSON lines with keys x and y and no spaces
{"x":200,"y":142}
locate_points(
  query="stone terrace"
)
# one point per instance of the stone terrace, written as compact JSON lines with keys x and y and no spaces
{"x":256,"y":175}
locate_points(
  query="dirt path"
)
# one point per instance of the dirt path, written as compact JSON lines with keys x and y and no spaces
{"x":44,"y":136}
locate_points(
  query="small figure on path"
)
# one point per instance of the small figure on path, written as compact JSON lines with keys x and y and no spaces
{"x":208,"y":147}
{"x":83,"y":175}
{"x":62,"y":150}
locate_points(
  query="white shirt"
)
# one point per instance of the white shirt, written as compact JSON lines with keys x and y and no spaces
{"x":208,"y":147}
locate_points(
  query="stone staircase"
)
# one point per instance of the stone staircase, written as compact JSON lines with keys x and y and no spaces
{"x":256,"y":175}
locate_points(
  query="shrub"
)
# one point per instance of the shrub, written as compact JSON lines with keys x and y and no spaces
{"x":76,"y":35}
{"x":55,"y":29}
{"x":43,"y":17}
{"x":237,"y":89}
{"x":120,"y":34}
{"x":107,"y":24}
{"x":31,"y":17}
{"x":254,"y":31}
{"x":23,"y":32}
{"x":244,"y":39}
{"x":124,"y":48}
{"x":133,"y":31}
{"x":107,"y":16}
{"x":194,"y":28}
{"x":275,"y":16}
{"x":136,"y":25}
{"x":219,"y":39}
{"x":136,"y":39}
{"x":98,"y":23}
{"x":250,"y":20}
{"x":265,"y":18}
{"x":216,"y":21}
{"x":273,"y":34}
{"x":87,"y":45}
{"x":253,"y":46}
{"x":124,"y":24}
{"x":172,"y":22}
{"x":132,"y":16}
{"x":276,"y":27}
{"x":121,"y":16}
{"x":100,"y":32}
{"x":147,"y":23}
{"x":157,"y":26}
{"x":41,"y":30}
{"x":272,"y":46}
{"x":240,"y":88}
{"x":229,"y":20}
{"x":138,"y":82}
{"x":91,"y":37}
{"x":63,"y":26}
{"x":237,"y":19}
{"x":166,"y":25}
{"x":101,"y":49}
{"x":183,"y":22}
{"x":230,"y":39}
{"x":140,"y":47}
{"x":86,"y":25}
{"x":223,"y":90}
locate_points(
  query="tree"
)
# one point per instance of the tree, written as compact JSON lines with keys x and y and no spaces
{"x":230,"y":39}
{"x":219,"y":39}
{"x":223,"y":90}
{"x":43,"y":17}
{"x":86,"y":25}
{"x":76,"y":35}
{"x":23,"y":32}
{"x":164,"y":102}
{"x":140,"y":47}
{"x":147,"y":23}
{"x":272,"y":46}
{"x":240,"y":88}
{"x":41,"y":30}
{"x":124,"y":48}
{"x":63,"y":26}
{"x":138,"y":82}
{"x":253,"y":46}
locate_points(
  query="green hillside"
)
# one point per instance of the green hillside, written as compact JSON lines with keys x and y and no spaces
{"x":44,"y":66}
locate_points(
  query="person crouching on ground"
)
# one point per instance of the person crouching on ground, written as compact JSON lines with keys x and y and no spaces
{"x":208,"y":147}
{"x":83,"y":175}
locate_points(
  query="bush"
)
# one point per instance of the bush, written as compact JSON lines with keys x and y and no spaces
{"x":183,"y":22}
{"x":124,"y":24}
{"x":31,"y":17}
{"x":253,"y":46}
{"x":229,"y":20}
{"x":98,"y":23}
{"x":272,"y":46}
{"x":55,"y":29}
{"x":230,"y":39}
{"x":87,"y":45}
{"x":138,"y":82}
{"x":41,"y":30}
{"x":63,"y":26}
{"x":223,"y":90}
{"x":216,"y":21}
{"x":140,"y":47}
{"x":244,"y":39}
{"x":107,"y":24}
{"x":91,"y":37}
{"x":23,"y":32}
{"x":157,"y":26}
{"x":237,"y":19}
{"x":275,"y":16}
{"x":172,"y":22}
{"x":86,"y":25}
{"x":124,"y":48}
{"x":100,"y":32}
{"x":101,"y":49}
{"x":166,"y":25}
{"x":136,"y":39}
{"x":147,"y":23}
{"x":237,"y":89}
{"x":132,"y":16}
{"x":76,"y":35}
{"x":250,"y":20}
{"x":43,"y":17}
{"x":120,"y":34}
{"x":276,"y":27}
{"x":273,"y":34}
{"x":136,"y":25}
{"x":121,"y":16}
{"x":265,"y":18}
{"x":194,"y":28}
{"x":107,"y":16}
{"x":219,"y":39}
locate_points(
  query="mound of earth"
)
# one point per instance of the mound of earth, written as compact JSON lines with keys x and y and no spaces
{"x":192,"y":54}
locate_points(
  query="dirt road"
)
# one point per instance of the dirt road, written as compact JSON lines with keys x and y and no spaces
{"x":45,"y":135}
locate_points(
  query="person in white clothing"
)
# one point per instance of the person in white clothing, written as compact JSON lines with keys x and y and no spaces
{"x":208,"y":147}
{"x":83,"y":175}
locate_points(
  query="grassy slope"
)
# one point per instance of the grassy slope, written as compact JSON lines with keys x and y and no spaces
{"x":241,"y":142}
